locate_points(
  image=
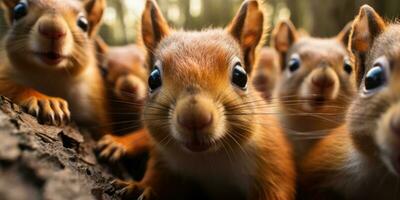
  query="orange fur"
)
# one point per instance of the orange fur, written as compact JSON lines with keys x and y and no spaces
{"x":360,"y":160}
{"x":28,"y":74}
{"x":233,"y":153}
{"x":313,"y":98}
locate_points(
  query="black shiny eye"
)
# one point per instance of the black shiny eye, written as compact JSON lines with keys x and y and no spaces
{"x":239,"y":76}
{"x":294,"y":64}
{"x":347,"y":66}
{"x":155,"y":79}
{"x":375,"y":78}
{"x":20,"y":11}
{"x":83,"y":23}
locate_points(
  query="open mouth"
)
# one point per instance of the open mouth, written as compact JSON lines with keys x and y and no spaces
{"x":196,"y":145}
{"x":318,"y":101}
{"x":51,"y":58}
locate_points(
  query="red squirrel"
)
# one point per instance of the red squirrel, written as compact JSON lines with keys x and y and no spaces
{"x":125,"y":73}
{"x":49,"y":60}
{"x":361,"y":159}
{"x":316,"y":83}
{"x":124,"y":70}
{"x":202,"y":115}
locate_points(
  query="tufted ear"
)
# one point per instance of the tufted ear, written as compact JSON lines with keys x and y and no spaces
{"x":154,"y":26}
{"x":8,"y":6}
{"x":283,"y":37}
{"x":247,"y":27}
{"x":94,"y":10}
{"x":366,"y":27}
{"x":344,"y":35}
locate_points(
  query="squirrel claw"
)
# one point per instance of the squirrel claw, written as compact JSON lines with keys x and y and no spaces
{"x":110,"y":149}
{"x":148,"y":194}
{"x":48,"y":110}
{"x":132,"y":190}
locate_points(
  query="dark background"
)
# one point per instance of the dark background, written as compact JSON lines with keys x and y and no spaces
{"x":321,"y":18}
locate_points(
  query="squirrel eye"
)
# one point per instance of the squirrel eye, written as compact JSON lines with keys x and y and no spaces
{"x":155,"y":79}
{"x":239,"y":77}
{"x":294,"y":64}
{"x":83,"y":23}
{"x":20,"y":11}
{"x":347,"y":66}
{"x":375,"y":78}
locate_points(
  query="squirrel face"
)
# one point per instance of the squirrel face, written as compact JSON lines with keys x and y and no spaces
{"x":317,"y":71}
{"x":199,"y":82}
{"x":374,"y":117}
{"x":51,"y":34}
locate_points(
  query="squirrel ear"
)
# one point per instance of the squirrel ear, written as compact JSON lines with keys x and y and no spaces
{"x":283,"y":37}
{"x":366,"y":27}
{"x":344,"y":35}
{"x":247,"y":28}
{"x":154,"y":25}
{"x":94,"y":10}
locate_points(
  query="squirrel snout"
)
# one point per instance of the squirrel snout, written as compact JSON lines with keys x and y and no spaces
{"x":322,"y":81}
{"x":195,"y":120}
{"x":194,"y":113}
{"x":52,"y":30}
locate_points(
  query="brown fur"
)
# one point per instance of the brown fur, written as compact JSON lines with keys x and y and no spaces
{"x":77,"y":80}
{"x":246,"y":159}
{"x":360,"y":160}
{"x":308,"y":111}
{"x":125,"y":74}
{"x":267,"y":72}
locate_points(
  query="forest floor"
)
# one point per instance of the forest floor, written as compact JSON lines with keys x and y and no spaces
{"x":47,"y":162}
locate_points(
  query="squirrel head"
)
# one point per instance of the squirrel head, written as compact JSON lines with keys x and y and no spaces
{"x":51,"y":34}
{"x":199,"y":96}
{"x":374,"y":116}
{"x":315,"y":71}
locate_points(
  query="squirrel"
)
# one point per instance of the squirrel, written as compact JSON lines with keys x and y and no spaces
{"x":316,"y":84}
{"x":361,"y":159}
{"x":125,"y":73}
{"x":202,"y":116}
{"x":49,"y":63}
{"x":266,"y":72}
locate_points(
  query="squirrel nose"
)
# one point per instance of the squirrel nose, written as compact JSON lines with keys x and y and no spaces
{"x":195,"y":121}
{"x":52,"y":31}
{"x":322,"y":81}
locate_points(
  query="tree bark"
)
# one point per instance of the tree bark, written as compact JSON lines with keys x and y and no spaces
{"x":47,"y":162}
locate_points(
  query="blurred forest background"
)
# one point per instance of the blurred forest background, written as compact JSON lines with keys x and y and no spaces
{"x":318,"y":17}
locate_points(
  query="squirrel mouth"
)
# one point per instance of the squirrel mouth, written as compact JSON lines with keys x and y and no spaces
{"x":51,"y":58}
{"x":196,"y":145}
{"x":318,"y":101}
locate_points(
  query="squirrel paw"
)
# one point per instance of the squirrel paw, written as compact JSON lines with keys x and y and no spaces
{"x":48,"y":110}
{"x":110,"y":149}
{"x":133,"y":190}
{"x":131,"y":88}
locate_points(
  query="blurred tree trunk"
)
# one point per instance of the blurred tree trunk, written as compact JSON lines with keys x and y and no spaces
{"x":121,"y":16}
{"x":300,"y":13}
{"x":330,"y":16}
